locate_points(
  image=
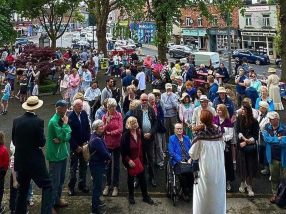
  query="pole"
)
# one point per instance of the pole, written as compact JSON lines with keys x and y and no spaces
{"x":93,"y":36}
{"x":198,"y":34}
{"x":228,"y":44}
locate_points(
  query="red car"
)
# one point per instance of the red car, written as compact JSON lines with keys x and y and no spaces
{"x":122,"y":50}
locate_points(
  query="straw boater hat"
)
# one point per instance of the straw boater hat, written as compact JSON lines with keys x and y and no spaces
{"x":221,"y":90}
{"x":156,"y":91}
{"x":184,"y":95}
{"x":203,"y":98}
{"x":271,"y":70}
{"x":32,"y":103}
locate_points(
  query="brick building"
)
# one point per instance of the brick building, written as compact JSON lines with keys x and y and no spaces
{"x":207,"y":35}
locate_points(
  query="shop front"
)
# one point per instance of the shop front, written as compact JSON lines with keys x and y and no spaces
{"x":218,"y":39}
{"x":195,"y":37}
{"x":262,"y":42}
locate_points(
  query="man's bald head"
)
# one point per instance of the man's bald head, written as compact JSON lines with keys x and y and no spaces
{"x":77,"y":106}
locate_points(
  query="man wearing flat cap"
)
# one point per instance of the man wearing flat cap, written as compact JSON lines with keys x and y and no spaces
{"x":28,"y":138}
{"x":59,"y":133}
{"x":204,"y":101}
{"x":275,"y":139}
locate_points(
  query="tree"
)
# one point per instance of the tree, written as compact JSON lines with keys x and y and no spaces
{"x":273,"y":2}
{"x":78,"y":16}
{"x":7,"y":33}
{"x":282,"y":19}
{"x":50,"y":13}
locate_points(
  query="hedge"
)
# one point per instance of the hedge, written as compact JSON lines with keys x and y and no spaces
{"x":47,"y":86}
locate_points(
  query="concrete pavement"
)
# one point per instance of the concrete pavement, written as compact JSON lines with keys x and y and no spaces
{"x":120,"y":205}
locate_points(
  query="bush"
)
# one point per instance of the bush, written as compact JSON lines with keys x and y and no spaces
{"x":47,"y":86}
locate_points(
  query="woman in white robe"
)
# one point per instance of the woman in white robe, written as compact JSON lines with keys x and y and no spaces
{"x":209,"y":196}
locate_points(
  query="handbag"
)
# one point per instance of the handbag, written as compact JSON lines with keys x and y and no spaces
{"x":186,"y":167}
{"x":249,"y":148}
{"x":138,"y":165}
{"x":85,"y":152}
{"x":64,"y":84}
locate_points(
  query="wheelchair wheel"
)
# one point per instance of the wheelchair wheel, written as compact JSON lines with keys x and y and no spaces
{"x":168,"y":180}
{"x":176,"y":189}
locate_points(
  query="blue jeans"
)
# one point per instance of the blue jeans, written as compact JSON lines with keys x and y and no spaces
{"x":97,"y":172}
{"x":57,"y":172}
{"x":30,"y":193}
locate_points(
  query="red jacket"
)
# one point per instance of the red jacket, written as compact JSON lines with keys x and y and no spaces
{"x":4,"y":158}
{"x":115,"y":127}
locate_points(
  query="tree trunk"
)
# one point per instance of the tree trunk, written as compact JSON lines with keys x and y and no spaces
{"x":101,"y":37}
{"x":161,"y":25}
{"x":54,"y":42}
{"x":282,"y":19}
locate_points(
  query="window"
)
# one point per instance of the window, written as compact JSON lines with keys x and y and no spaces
{"x":266,"y":20}
{"x":214,"y":21}
{"x":248,"y":20}
{"x":200,"y":23}
{"x":189,"y":21}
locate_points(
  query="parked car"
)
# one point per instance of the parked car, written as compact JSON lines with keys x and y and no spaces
{"x":169,"y":45}
{"x":179,"y":51}
{"x":251,"y":56}
{"x":22,"y":41}
{"x":90,"y":37}
{"x":122,"y":50}
{"x":75,"y":37}
{"x":81,"y":45}
{"x":278,"y":62}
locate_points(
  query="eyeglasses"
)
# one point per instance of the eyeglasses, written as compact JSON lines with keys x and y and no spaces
{"x":144,"y":100}
{"x":253,"y":76}
{"x":179,"y":128}
{"x":241,"y":70}
{"x":157,"y":95}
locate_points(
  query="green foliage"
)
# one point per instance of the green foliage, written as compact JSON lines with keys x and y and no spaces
{"x":7,"y":33}
{"x":47,"y":86}
{"x":78,"y":16}
{"x":273,"y":2}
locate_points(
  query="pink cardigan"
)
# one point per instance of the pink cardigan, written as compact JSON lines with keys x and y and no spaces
{"x":74,"y":81}
{"x":115,"y":127}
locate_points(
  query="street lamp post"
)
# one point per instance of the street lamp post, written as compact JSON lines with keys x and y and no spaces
{"x":228,"y":44}
{"x":93,"y":36}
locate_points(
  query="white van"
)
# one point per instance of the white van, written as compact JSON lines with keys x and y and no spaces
{"x":207,"y":58}
{"x":75,"y":37}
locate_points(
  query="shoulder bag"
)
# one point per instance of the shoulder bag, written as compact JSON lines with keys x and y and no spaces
{"x":64,"y":84}
{"x":85,"y":152}
{"x":138,"y":165}
{"x":186,"y":167}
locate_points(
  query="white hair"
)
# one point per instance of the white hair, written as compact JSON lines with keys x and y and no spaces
{"x":128,"y":72}
{"x":96,"y":124}
{"x":151,"y":95}
{"x":111,"y":102}
{"x":187,"y":64}
{"x":247,"y":82}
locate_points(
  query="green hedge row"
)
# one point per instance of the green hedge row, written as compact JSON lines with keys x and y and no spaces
{"x":47,"y":86}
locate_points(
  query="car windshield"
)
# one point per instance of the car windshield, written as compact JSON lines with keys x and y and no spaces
{"x":187,"y":49}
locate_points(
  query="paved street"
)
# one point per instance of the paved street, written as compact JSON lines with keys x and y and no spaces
{"x":261,"y":187}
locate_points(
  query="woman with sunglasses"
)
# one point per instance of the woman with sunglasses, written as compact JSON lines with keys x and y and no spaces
{"x":255,"y":83}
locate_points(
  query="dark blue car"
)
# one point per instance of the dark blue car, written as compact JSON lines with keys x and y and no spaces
{"x":251,"y":56}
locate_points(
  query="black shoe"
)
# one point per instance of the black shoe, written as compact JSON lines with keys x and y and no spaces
{"x":71,"y":192}
{"x":148,"y":200}
{"x":84,"y":189}
{"x":136,"y":183}
{"x":99,"y":211}
{"x":131,"y":200}
{"x":153,"y":182}
{"x":101,"y":203}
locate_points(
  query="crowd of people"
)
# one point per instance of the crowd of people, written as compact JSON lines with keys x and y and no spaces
{"x":212,"y":126}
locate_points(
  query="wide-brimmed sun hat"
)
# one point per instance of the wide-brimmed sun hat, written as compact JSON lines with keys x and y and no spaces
{"x":221,"y":90}
{"x":184,"y":95}
{"x":156,"y":91}
{"x":32,"y":103}
{"x":203,"y":98}
{"x":271,"y":70}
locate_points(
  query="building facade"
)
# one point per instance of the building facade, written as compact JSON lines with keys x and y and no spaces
{"x":210,"y":36}
{"x":258,"y":28}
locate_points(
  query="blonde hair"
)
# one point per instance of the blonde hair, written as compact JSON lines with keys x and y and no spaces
{"x":264,"y":87}
{"x":131,"y":87}
{"x":247,"y":100}
{"x":130,"y":121}
{"x":224,"y":110}
{"x":133,"y":104}
{"x":78,"y":95}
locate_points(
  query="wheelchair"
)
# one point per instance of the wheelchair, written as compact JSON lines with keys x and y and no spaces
{"x":172,"y":184}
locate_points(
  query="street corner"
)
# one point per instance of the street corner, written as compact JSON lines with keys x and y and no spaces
{"x":252,"y":206}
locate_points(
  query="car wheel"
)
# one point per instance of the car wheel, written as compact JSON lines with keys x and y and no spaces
{"x":172,"y":55}
{"x":257,"y":62}
{"x":279,"y":64}
{"x":140,"y":45}
{"x":236,"y":58}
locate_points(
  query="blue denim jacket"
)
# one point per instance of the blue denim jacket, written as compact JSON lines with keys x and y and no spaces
{"x":270,"y":139}
{"x":175,"y":149}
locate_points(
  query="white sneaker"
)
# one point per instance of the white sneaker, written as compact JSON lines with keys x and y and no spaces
{"x":265,"y":171}
{"x":250,"y":192}
{"x":242,"y":187}
{"x":228,"y":186}
{"x":115,"y":192}
{"x":105,"y":191}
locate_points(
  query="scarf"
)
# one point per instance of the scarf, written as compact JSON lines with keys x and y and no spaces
{"x":208,"y":133}
{"x":225,"y":123}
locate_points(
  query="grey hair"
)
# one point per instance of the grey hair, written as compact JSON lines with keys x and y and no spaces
{"x":178,"y":124}
{"x":128,"y":72}
{"x":151,"y":95}
{"x":187,"y":64}
{"x":111,"y":102}
{"x":247,"y":82}
{"x":96,"y":124}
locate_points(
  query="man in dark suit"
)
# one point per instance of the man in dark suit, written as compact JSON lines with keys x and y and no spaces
{"x":147,"y":121}
{"x":80,"y":135}
{"x":28,"y":138}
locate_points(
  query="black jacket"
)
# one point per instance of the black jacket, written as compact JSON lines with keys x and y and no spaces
{"x":80,"y":129}
{"x":125,"y":147}
{"x":28,"y":138}
{"x":138,"y":113}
